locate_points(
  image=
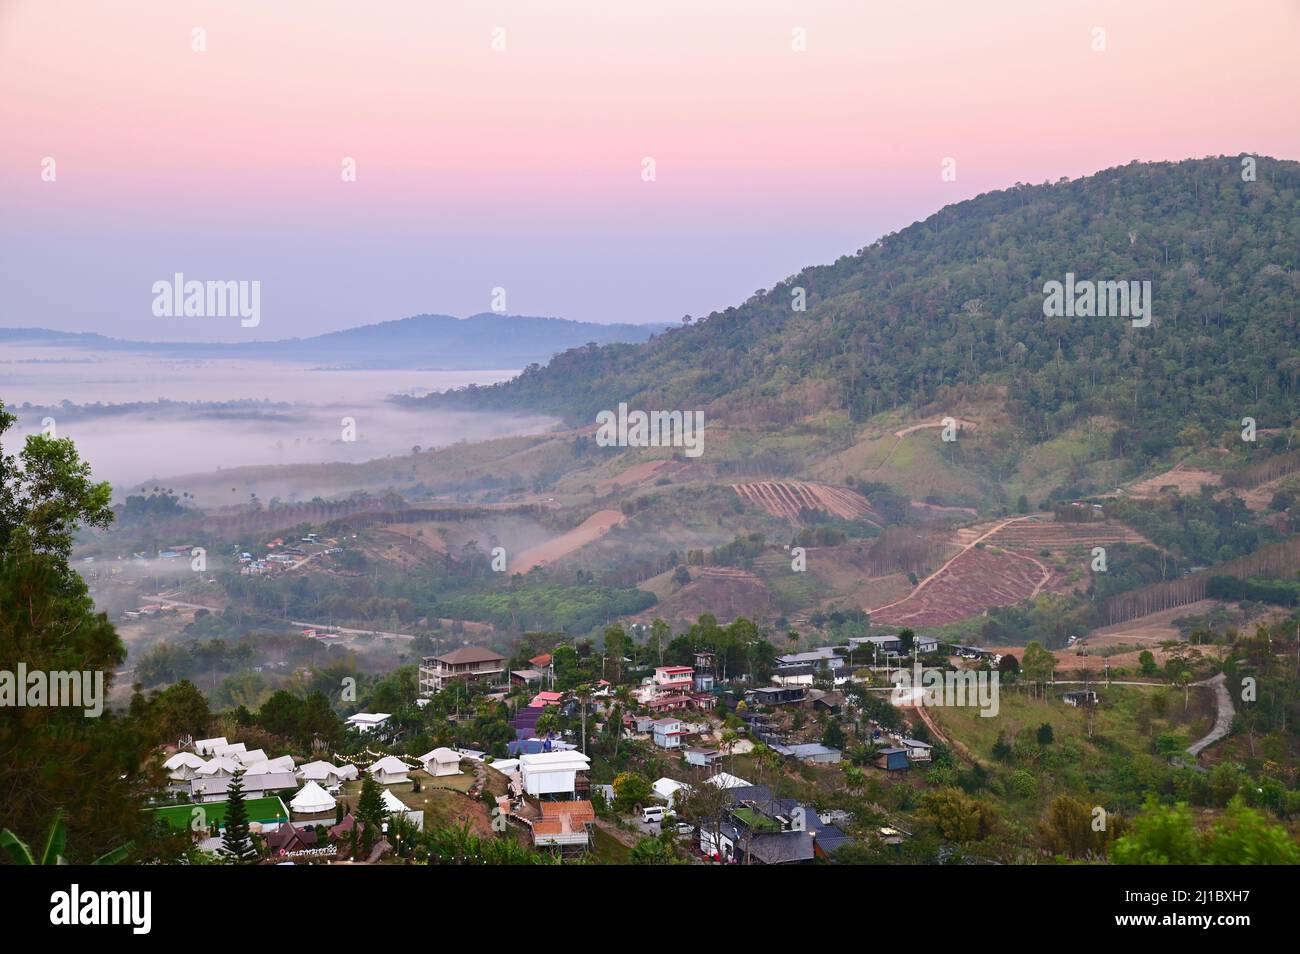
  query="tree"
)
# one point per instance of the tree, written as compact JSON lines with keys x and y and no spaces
{"x":1044,"y":734}
{"x":98,"y":769}
{"x":370,"y":809}
{"x":45,"y":494}
{"x":237,"y":840}
{"x":833,"y":735}
{"x":1147,"y":663}
{"x":631,"y":789}
{"x":1038,"y":664}
{"x":958,"y":816}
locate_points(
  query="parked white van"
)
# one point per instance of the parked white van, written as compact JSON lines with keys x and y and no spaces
{"x":655,"y":813}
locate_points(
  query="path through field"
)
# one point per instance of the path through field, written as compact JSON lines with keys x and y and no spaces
{"x":904,"y":431}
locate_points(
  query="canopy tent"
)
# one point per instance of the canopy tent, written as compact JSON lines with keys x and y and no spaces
{"x":312,"y":800}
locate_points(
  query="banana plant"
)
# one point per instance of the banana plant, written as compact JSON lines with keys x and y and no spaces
{"x":52,"y":852}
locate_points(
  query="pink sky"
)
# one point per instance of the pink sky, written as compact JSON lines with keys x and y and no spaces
{"x":522,"y":168}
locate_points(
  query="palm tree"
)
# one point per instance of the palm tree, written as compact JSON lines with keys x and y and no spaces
{"x":52,"y":852}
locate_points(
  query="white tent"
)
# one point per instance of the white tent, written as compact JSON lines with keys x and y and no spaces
{"x":392,"y":803}
{"x":319,"y":771}
{"x":209,"y":746}
{"x":389,"y":770}
{"x":441,"y":761}
{"x":313,"y":800}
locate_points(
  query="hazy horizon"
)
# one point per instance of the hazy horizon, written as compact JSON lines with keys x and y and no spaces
{"x":522,"y":168}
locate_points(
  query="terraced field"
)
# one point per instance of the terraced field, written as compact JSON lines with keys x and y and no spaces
{"x":1052,"y":535}
{"x":973,"y":581}
{"x":786,"y":498}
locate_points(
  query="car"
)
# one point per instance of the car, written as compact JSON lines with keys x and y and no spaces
{"x":655,"y":813}
{"x":684,"y":829}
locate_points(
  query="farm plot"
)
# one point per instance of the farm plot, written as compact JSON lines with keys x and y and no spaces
{"x":1054,"y":535}
{"x":788,"y":498}
{"x":971,"y":583}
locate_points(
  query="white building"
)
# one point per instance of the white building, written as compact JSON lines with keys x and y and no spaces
{"x":668,"y":733}
{"x":368,"y":721}
{"x":552,"y":773}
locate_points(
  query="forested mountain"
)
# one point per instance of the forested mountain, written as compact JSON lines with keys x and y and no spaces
{"x":957,"y":301}
{"x":486,"y":340}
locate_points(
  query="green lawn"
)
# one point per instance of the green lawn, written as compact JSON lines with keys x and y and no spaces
{"x":607,"y":849}
{"x":268,"y":810}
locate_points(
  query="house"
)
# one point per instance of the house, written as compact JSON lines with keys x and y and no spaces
{"x":673,"y":680}
{"x":467,"y":664}
{"x":812,"y":657}
{"x":441,"y":761}
{"x":235,"y":751}
{"x":831,"y":702}
{"x":540,"y":662}
{"x":554,"y":773}
{"x":892,"y":759}
{"x":390,"y":770}
{"x":525,"y":677}
{"x":927,"y":644}
{"x":776,"y":695}
{"x":701,"y":757}
{"x":727,"y":780}
{"x":917,"y":751}
{"x":668,"y":733}
{"x":564,"y":824}
{"x":287,"y":839}
{"x":640,"y":724}
{"x":667,"y":789}
{"x":811,"y":752}
{"x":543,"y":699}
{"x":368,"y":721}
{"x":668,"y":703}
{"x":1081,"y":697}
{"x":883,"y":644}
{"x":312,"y":800}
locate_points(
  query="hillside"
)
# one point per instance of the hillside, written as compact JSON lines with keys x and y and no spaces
{"x":956,"y":303}
{"x":438,"y":342}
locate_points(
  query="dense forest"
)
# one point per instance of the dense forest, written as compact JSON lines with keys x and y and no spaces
{"x":957,"y":301}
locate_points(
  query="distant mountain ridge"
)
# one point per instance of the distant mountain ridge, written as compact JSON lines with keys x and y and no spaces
{"x":427,"y":342}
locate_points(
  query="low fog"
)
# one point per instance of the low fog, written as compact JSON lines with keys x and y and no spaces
{"x":293,"y":414}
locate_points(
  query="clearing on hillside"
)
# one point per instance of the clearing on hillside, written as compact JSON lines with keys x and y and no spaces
{"x":590,"y":529}
{"x":787,"y":499}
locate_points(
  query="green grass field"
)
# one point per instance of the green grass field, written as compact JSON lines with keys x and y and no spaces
{"x":267,"y":810}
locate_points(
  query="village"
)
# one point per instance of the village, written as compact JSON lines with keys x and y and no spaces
{"x":540,"y":792}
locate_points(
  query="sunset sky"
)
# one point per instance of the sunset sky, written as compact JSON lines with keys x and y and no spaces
{"x":522,"y":168}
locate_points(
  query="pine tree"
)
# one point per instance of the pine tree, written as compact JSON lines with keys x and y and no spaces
{"x":370,"y":809}
{"x":237,"y":841}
